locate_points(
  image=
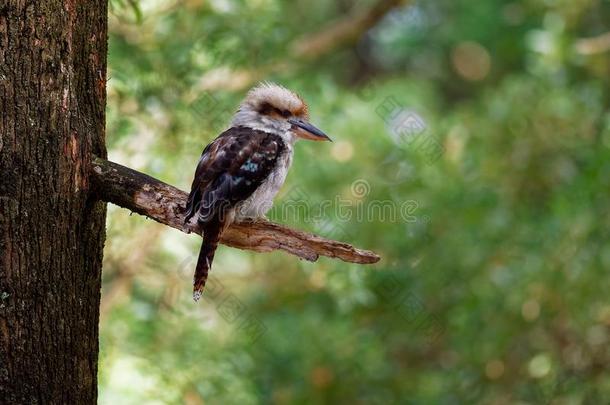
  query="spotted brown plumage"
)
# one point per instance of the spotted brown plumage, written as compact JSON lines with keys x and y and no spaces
{"x":230,"y":169}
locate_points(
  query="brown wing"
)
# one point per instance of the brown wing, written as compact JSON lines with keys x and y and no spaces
{"x":230,"y":169}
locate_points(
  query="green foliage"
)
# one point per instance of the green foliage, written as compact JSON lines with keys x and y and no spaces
{"x":493,"y":284}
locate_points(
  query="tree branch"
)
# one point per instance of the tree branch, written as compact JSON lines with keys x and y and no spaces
{"x":338,"y":33}
{"x":343,"y":31}
{"x":594,"y":45}
{"x":148,"y":196}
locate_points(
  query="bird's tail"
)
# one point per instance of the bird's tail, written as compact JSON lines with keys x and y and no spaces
{"x":211,"y":237}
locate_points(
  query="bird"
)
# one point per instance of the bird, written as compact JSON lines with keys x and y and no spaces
{"x":240,"y":172}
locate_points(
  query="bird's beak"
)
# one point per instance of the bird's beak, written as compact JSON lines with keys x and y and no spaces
{"x":304,"y":129}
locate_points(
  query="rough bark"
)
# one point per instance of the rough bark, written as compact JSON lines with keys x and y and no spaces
{"x":163,"y":203}
{"x":52,"y":104}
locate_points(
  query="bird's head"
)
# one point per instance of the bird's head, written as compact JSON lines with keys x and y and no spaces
{"x":273,"y":108}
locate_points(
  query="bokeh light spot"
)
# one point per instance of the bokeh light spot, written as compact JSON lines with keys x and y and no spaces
{"x":494,"y":369}
{"x":530,"y":310}
{"x":471,"y":61}
{"x":342,"y":151}
{"x":539,"y":366}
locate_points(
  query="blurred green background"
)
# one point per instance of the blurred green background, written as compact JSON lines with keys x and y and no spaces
{"x":489,"y":208}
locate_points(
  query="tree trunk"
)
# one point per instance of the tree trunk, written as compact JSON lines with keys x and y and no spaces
{"x":52,"y":104}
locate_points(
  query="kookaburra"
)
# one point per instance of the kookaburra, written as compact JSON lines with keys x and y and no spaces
{"x":241,"y":171}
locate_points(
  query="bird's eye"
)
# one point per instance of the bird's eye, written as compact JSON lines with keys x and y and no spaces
{"x":265,"y":108}
{"x":283,"y":113}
